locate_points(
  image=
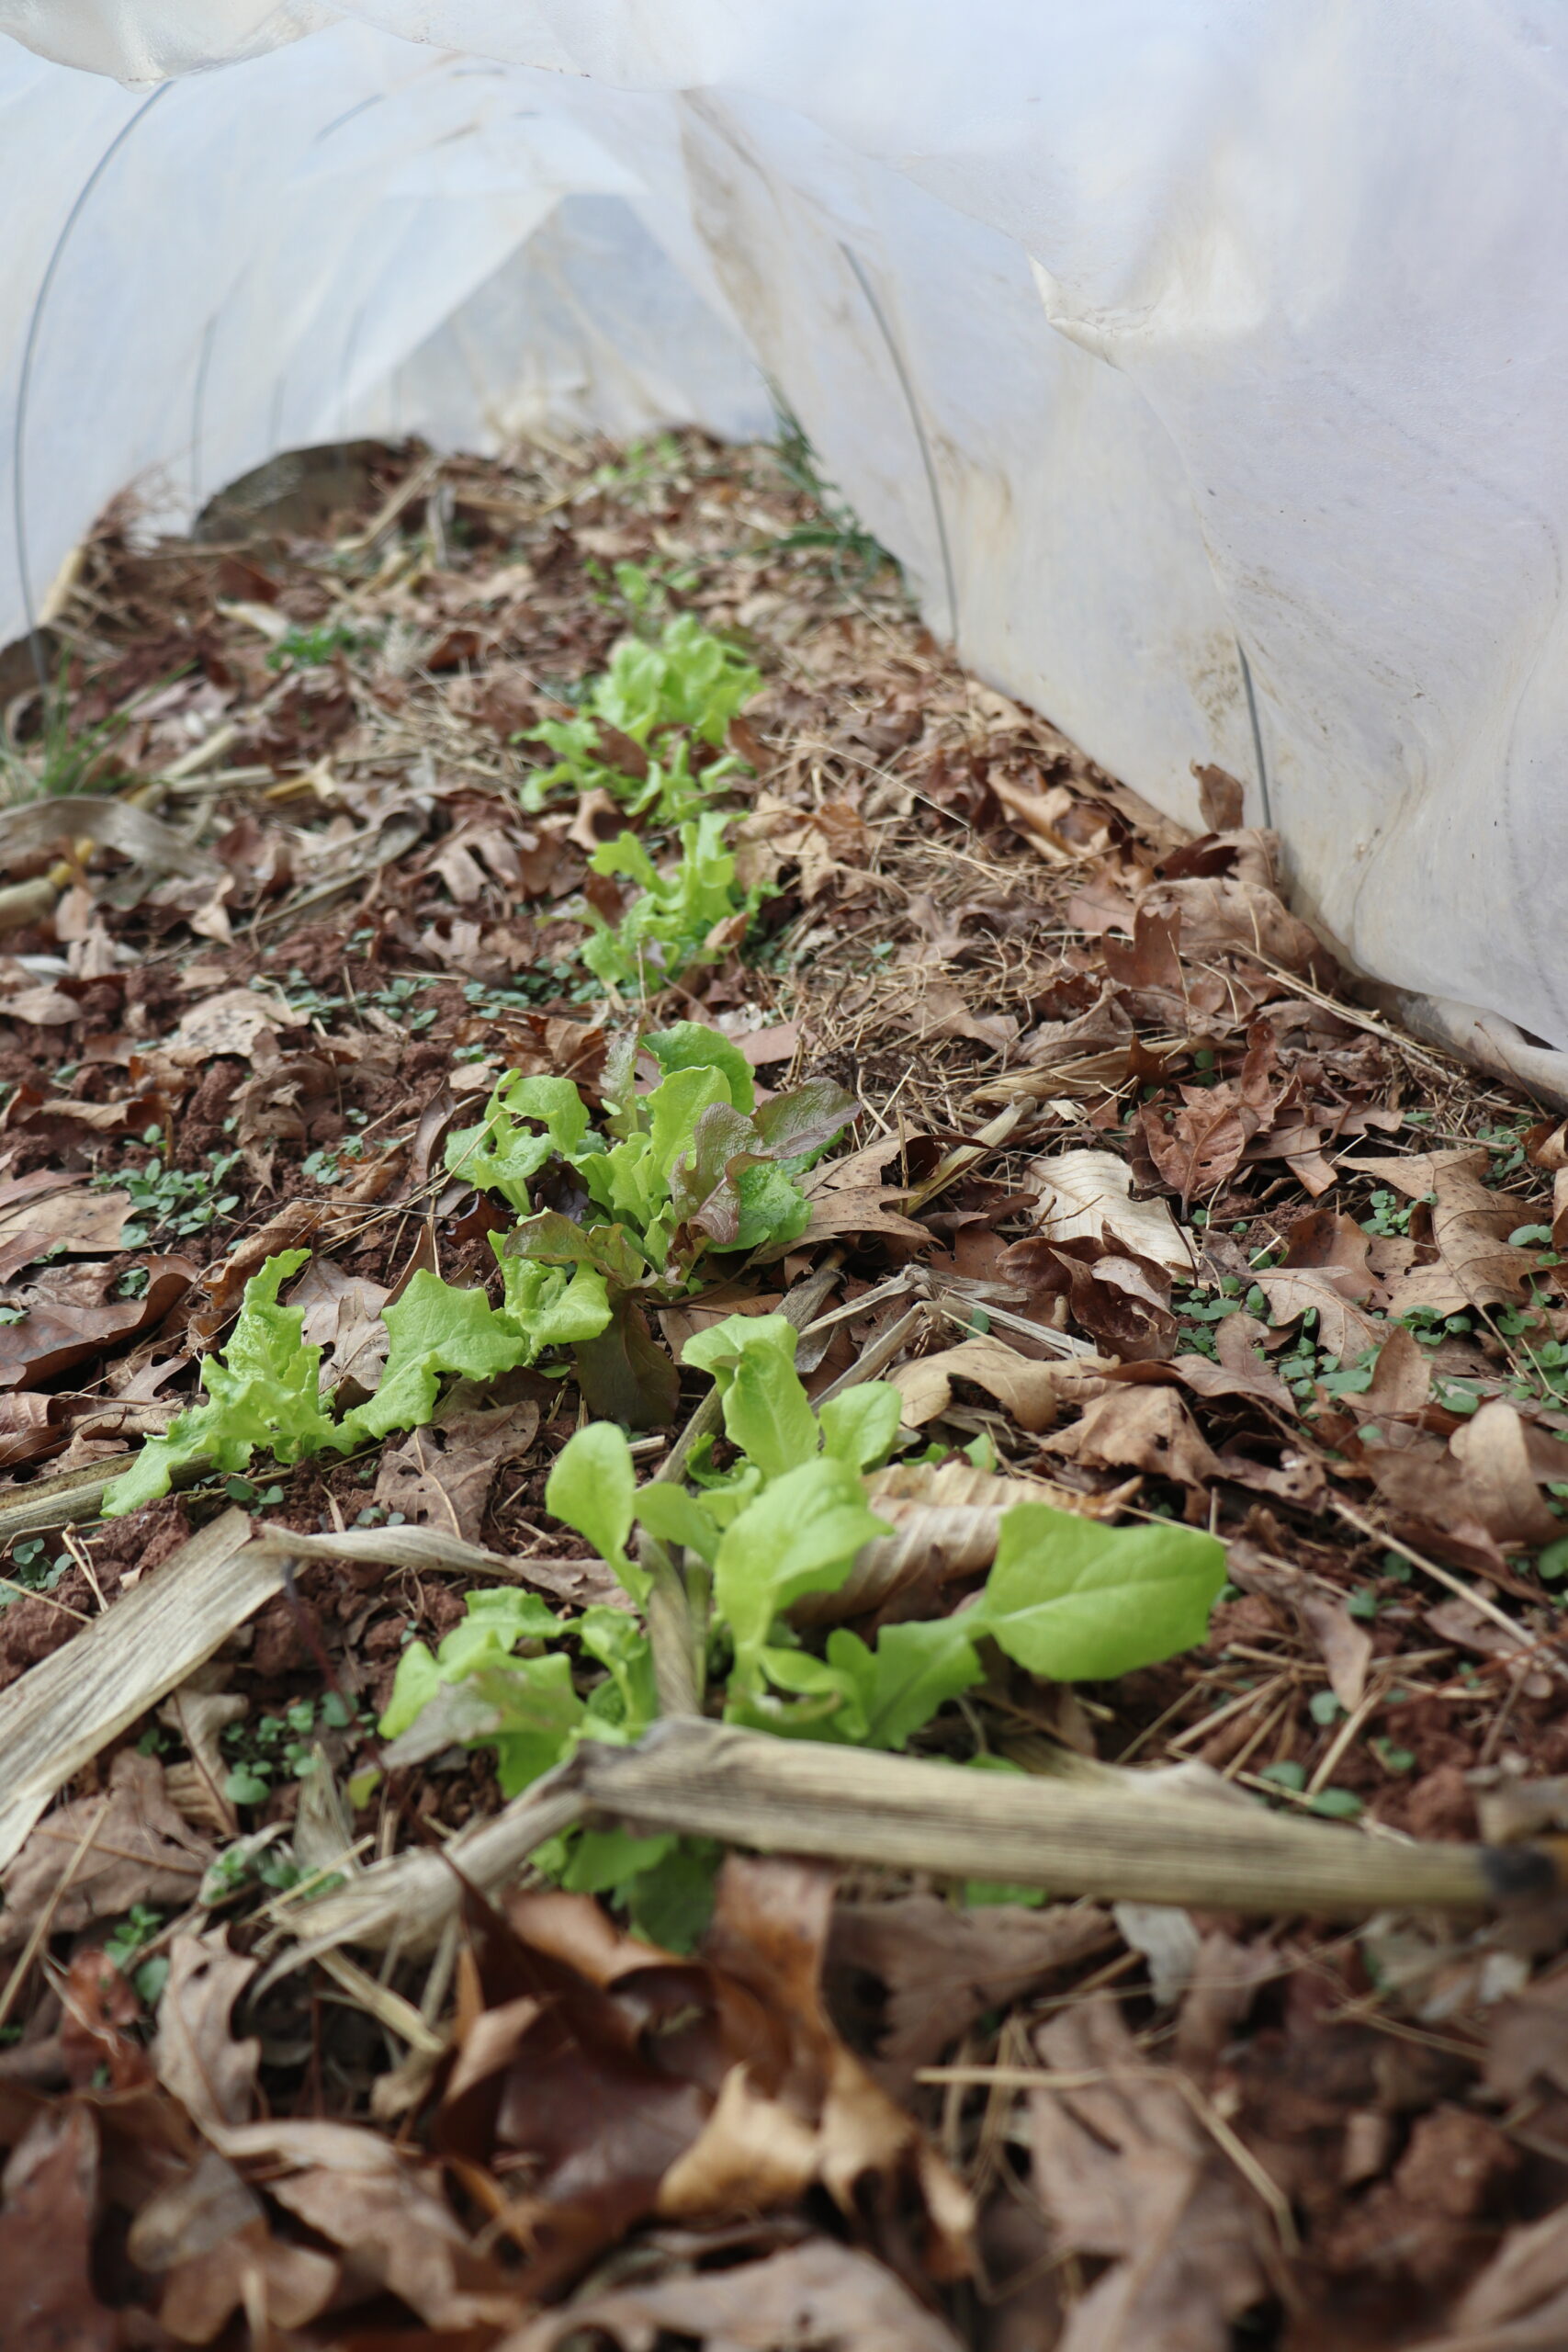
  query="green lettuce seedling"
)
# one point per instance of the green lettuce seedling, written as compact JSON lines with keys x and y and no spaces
{"x":661,"y":696}
{"x":682,"y":916}
{"x":263,"y":1389}
{"x":692,"y":1165}
{"x":1067,"y":1598}
{"x":263,"y":1393}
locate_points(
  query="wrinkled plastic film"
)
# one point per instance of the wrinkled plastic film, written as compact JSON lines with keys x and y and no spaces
{"x":1141,"y":334}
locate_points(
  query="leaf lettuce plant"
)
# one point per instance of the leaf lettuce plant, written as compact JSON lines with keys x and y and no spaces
{"x":662,"y":696}
{"x":677,"y":914}
{"x":1067,"y":1598}
{"x":691,"y":1166}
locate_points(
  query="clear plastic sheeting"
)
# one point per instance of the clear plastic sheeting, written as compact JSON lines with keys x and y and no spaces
{"x":1203,"y":363}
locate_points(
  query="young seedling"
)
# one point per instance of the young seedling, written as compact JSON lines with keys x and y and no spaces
{"x":691,"y":1168}
{"x":690,"y":913}
{"x":1067,"y":1598}
{"x":660,"y":699}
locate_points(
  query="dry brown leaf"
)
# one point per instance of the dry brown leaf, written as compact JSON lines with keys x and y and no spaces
{"x":1123,"y":2168}
{"x":399,"y":2231}
{"x":568,"y":2069}
{"x":1244,"y":1374}
{"x":1154,"y":982}
{"x":597,"y":818}
{"x":301,"y":2142}
{"x":1038,"y":815}
{"x":861,"y":1209}
{"x":1138,"y":1429}
{"x":1326,"y":1241}
{"x":1420,"y":1479}
{"x":203,"y":2292}
{"x":70,"y":1313}
{"x":820,"y":2294}
{"x":47,"y":2229}
{"x":30,"y":1426}
{"x":778,"y":1042}
{"x":442,"y":1474}
{"x":1474,"y":1272}
{"x":191,"y":2214}
{"x":1121,"y":1302}
{"x":752,"y":2151}
{"x":859,"y":1168}
{"x":1458,"y":1622}
{"x":43,"y":1007}
{"x":230,"y":1022}
{"x":942,"y":1011}
{"x":343,"y":1317}
{"x":51,"y":1214}
{"x":1033,"y":1392}
{"x":1492,"y":1450}
{"x":1344,"y":1647}
{"x":1402,"y":1379}
{"x":1485,"y":1480}
{"x":1520,"y":2303}
{"x":1295,"y":1478}
{"x":1221,"y":800}
{"x":1227,"y":911}
{"x":1224,"y":1983}
{"x":1082,"y":1194}
{"x":129,"y":1114}
{"x":946,"y":1520}
{"x":1527,"y":2043}
{"x":195,"y":2055}
{"x":1469,"y":1224}
{"x":138,"y":1850}
{"x":769,"y":1933}
{"x":1460,"y":1174}
{"x":831,"y":842}
{"x":941,"y":1968}
{"x":905,"y":1487}
{"x":1344,"y":1330}
{"x":197,"y":1718}
{"x":297,"y":1224}
{"x":99,"y":2008}
{"x":1202,"y":1146}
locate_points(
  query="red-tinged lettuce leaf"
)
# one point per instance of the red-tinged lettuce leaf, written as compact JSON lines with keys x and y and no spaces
{"x":798,"y":1126}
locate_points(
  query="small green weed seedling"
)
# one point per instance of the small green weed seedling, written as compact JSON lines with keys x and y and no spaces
{"x":640,"y":465}
{"x":1067,"y":1598}
{"x":834,"y":529}
{"x":170,"y":1202}
{"x":312,"y":649}
{"x":542,"y":983}
{"x":280,"y":1747}
{"x":1389,"y":1214}
{"x":643,"y":589}
{"x":251,"y":1863}
{"x":140,"y":1928}
{"x":33,"y":1567}
{"x":673,"y":921}
{"x":60,"y":758}
{"x":691,"y":1167}
{"x":664,"y":696}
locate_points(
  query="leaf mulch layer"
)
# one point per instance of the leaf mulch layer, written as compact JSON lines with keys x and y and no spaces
{"x":1308,"y":1272}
